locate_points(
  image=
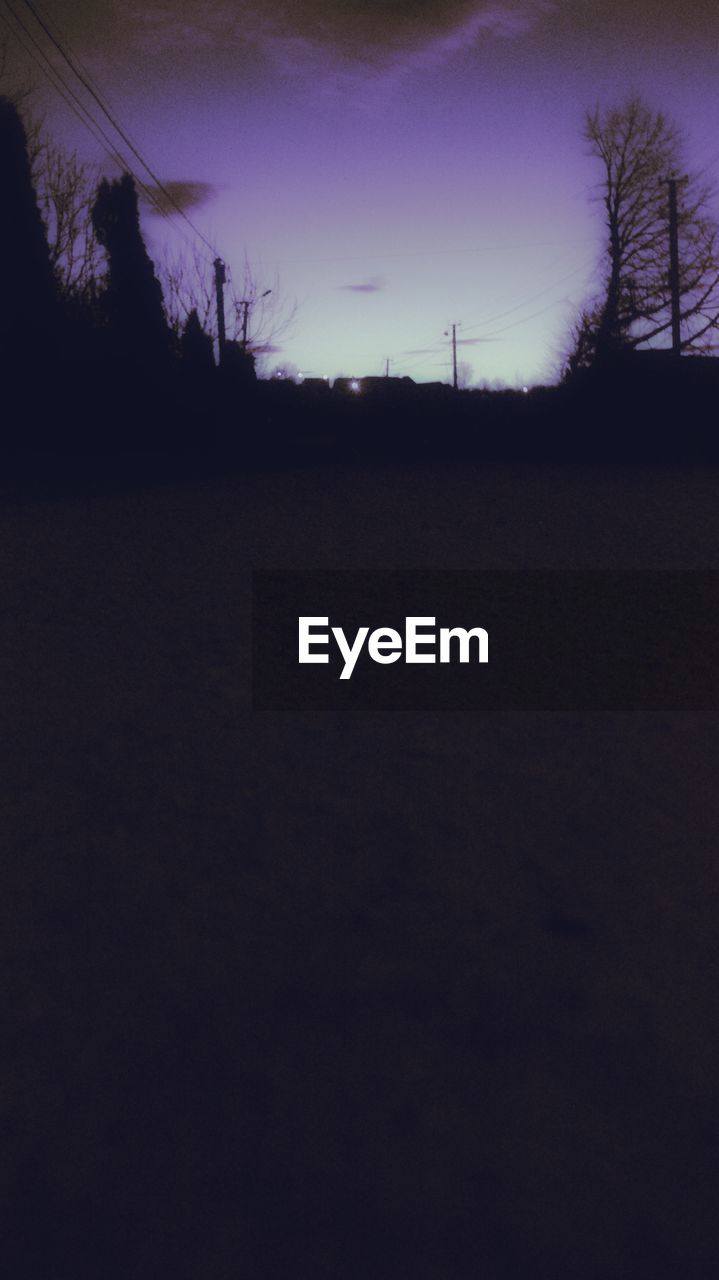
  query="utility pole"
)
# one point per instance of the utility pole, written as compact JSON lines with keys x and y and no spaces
{"x":454,"y":354}
{"x":246,"y":303}
{"x":386,"y":367}
{"x":674,"y":265}
{"x":220,"y":282}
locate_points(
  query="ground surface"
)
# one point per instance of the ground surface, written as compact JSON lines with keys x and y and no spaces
{"x":370,"y":996}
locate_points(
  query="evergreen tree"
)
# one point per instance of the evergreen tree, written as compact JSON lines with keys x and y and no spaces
{"x":133,"y":295}
{"x":28,"y":303}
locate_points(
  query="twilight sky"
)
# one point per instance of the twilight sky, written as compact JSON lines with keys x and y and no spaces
{"x":399,"y":165}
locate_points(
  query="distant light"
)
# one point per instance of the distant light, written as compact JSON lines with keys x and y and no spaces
{"x":525,"y":390}
{"x":354,"y":385}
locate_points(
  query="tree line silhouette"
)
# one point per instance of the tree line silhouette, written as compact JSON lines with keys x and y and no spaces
{"x":96,"y":361}
{"x":92,"y":364}
{"x":660,"y":266}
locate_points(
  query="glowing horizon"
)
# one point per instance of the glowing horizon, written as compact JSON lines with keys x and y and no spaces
{"x":393,"y":173}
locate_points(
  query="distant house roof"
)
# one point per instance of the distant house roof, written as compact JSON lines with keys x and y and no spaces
{"x":315,"y":384}
{"x":387,"y":384}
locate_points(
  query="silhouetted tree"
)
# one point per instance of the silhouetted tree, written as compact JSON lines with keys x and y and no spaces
{"x":188,"y":285}
{"x":66,"y":189}
{"x":196,"y":346}
{"x":27,"y":284}
{"x":132,"y":298}
{"x":581,"y":349}
{"x":639,"y":150}
{"x":238,"y":366}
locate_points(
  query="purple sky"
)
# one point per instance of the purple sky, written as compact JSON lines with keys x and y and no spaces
{"x":400,"y":166}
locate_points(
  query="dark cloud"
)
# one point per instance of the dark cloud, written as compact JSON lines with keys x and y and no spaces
{"x":183,"y":193}
{"x":367,"y":35}
{"x":375,"y":285}
{"x":379,"y":25}
{"x":383,"y":41}
{"x":375,"y":27}
{"x":372,"y":34}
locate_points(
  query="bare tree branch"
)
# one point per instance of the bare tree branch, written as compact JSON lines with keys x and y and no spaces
{"x":251,"y":301}
{"x":639,"y":150}
{"x":66,"y":188}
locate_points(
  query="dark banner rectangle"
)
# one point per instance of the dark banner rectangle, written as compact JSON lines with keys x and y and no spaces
{"x":550,"y":640}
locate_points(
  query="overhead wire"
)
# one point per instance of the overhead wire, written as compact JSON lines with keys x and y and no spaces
{"x":71,"y":98}
{"x":557,"y":302}
{"x":39,"y":57}
{"x":490,"y":337}
{"x":434,"y":253}
{"x":97,"y":97}
{"x":37,"y":54}
{"x":480,"y":324}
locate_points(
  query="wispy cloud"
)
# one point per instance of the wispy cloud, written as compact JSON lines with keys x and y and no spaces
{"x":375,"y":285}
{"x":472,"y":342}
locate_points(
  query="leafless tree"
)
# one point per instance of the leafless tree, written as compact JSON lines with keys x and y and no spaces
{"x":639,"y":150}
{"x":465,"y":374}
{"x":187,"y":286}
{"x":66,"y":188}
{"x":255,"y":309}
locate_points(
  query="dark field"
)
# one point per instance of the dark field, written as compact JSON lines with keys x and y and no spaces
{"x":373,"y":996}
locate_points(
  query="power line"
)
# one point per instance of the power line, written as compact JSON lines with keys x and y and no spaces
{"x":60,"y":35}
{"x":480,"y":324}
{"x":88,"y":86}
{"x":436,"y":253}
{"x":431,"y":355}
{"x":506,"y":328}
{"x":39,"y":57}
{"x":88,"y":76}
{"x":474,"y":324}
{"x":558,"y":302}
{"x":491,"y":337}
{"x":35,"y":51}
